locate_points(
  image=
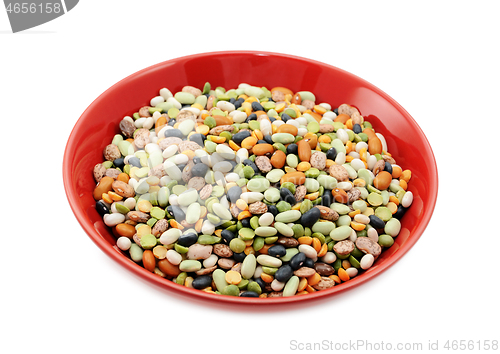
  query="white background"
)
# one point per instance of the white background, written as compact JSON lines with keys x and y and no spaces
{"x":60,"y":294}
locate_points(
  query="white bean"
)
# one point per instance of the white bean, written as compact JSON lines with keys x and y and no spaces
{"x":113,"y":219}
{"x":156,"y":100}
{"x":367,"y":261}
{"x":276,"y":285}
{"x":407,"y":199}
{"x":165,"y":93}
{"x":329,"y":257}
{"x":372,"y":234}
{"x":210,"y":261}
{"x":123,"y":243}
{"x":351,"y":272}
{"x":174,"y":257}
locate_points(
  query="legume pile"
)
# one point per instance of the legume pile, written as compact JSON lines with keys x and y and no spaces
{"x":250,"y":192}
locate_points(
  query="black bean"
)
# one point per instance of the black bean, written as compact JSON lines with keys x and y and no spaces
{"x":248,"y":162}
{"x":176,"y":212}
{"x":262,"y":142}
{"x":285,"y":117}
{"x":199,"y":170}
{"x":188,"y":239}
{"x":273,"y":210}
{"x":297,"y":261}
{"x":227,"y":236}
{"x":245,"y":222}
{"x":101,"y":208}
{"x":202,"y":282}
{"x":239,"y":257}
{"x":269,"y":139}
{"x":331,"y":154}
{"x":261,"y":283}
{"x":256,"y":106}
{"x":292,"y":149}
{"x":310,"y":217}
{"x":336,"y":111}
{"x":173,"y":132}
{"x":252,"y":116}
{"x":376,"y":222}
{"x":357,"y":129}
{"x":309,"y":263}
{"x":134,"y":161}
{"x":240,"y":136}
{"x":249,"y":294}
{"x":171,"y":122}
{"x":119,"y":163}
{"x":287,"y":196}
{"x":198,"y":139}
{"x":234,"y":193}
{"x":276,"y":251}
{"x":232,"y":100}
{"x":400,"y":212}
{"x":196,"y":160}
{"x":388,"y":167}
{"x":284,"y":273}
{"x":327,"y":198}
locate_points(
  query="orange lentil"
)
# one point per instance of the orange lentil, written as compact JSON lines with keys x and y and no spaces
{"x":244,"y":214}
{"x":176,"y":225}
{"x":218,"y":139}
{"x":316,"y":244}
{"x":114,"y":196}
{"x":394,"y":200}
{"x":258,"y":134}
{"x":324,"y":139}
{"x":396,"y":171}
{"x":249,"y":250}
{"x":354,"y":213}
{"x":406,"y":175}
{"x":348,"y":124}
{"x":233,"y":145}
{"x":303,"y":166}
{"x":123,"y":177}
{"x":302,"y":284}
{"x":233,"y":277}
{"x":346,"y":264}
{"x":319,"y":109}
{"x":297,"y":178}
{"x":202,"y":129}
{"x":323,"y":250}
{"x":403,"y":184}
{"x":392,"y":207}
{"x":313,"y":279}
{"x":312,"y":196}
{"x":343,"y":274}
{"x":107,"y":198}
{"x":305,"y":240}
{"x":266,"y":277}
{"x":310,"y":289}
{"x":357,"y":226}
{"x":362,"y":154}
{"x":349,"y":158}
{"x":335,"y":278}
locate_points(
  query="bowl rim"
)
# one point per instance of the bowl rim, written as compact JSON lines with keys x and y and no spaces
{"x":68,"y":182}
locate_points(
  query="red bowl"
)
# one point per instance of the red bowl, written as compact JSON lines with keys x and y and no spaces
{"x":99,"y":123}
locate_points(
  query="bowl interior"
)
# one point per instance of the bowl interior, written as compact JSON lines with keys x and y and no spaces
{"x":99,"y":123}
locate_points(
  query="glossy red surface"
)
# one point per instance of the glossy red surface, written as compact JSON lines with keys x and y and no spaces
{"x":97,"y":125}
